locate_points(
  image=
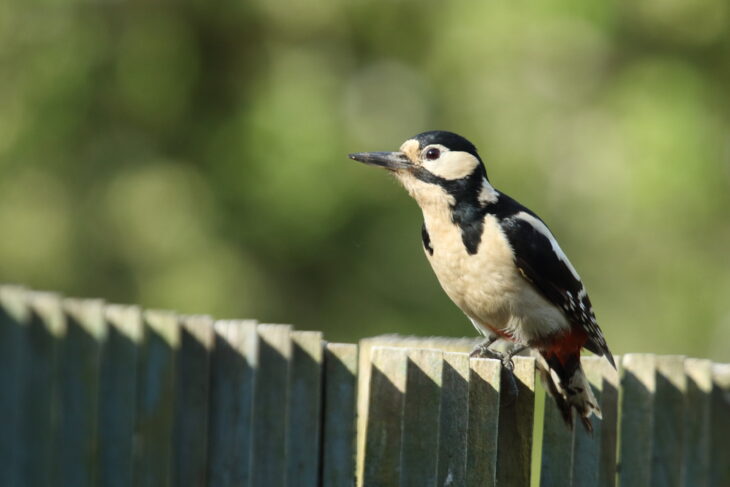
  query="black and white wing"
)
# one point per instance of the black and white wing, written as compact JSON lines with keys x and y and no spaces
{"x":543,"y":263}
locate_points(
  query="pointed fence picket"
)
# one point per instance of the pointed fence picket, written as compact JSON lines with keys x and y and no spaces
{"x":111,"y":395}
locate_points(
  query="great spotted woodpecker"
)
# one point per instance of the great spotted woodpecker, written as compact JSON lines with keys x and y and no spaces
{"x":500,"y":264}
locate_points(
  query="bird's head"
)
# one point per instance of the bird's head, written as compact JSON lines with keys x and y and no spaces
{"x":434,"y":166}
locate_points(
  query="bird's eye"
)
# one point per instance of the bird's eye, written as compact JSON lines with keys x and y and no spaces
{"x":432,"y":154}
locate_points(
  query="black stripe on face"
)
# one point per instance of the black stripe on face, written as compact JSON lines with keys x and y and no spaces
{"x":466,"y":211}
{"x":426,"y":238}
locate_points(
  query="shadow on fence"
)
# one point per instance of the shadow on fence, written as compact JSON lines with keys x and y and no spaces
{"x":112,"y":395}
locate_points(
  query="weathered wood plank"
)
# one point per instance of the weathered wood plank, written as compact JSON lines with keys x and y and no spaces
{"x":232,"y":374}
{"x":398,"y":341}
{"x":454,"y":419}
{"x":14,"y":320}
{"x":696,"y":462}
{"x":190,"y":437}
{"x":594,"y":455}
{"x":340,"y":394}
{"x":76,"y":442}
{"x":40,"y":401}
{"x":483,"y":423}
{"x":156,"y":399}
{"x":671,"y":385}
{"x":305,"y":403}
{"x":118,"y":394}
{"x":516,"y":417}
{"x":720,"y":426}
{"x":557,"y":447}
{"x":420,"y":440}
{"x":638,"y":383}
{"x":385,"y":416}
{"x":271,"y":398}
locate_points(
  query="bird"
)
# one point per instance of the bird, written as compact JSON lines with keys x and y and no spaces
{"x":500,"y":264}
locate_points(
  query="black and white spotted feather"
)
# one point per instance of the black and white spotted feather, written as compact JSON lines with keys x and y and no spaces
{"x":540,"y":260}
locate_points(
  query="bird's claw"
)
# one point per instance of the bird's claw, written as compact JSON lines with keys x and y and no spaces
{"x":483,"y":351}
{"x":508,"y":363}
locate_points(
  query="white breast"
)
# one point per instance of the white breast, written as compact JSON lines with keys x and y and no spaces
{"x":487,"y":286}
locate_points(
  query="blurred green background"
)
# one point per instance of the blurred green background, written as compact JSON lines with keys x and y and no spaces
{"x":192,"y":155}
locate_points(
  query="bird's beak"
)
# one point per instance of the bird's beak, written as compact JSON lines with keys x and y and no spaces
{"x":389,"y":160}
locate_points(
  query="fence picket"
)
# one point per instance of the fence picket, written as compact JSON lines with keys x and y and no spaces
{"x":76,"y":441}
{"x":340,"y":394}
{"x":39,"y":422}
{"x":638,"y":382}
{"x":422,"y":403}
{"x":271,"y":396}
{"x":720,"y":426}
{"x":594,"y":455}
{"x":118,"y":393}
{"x":385,"y":416}
{"x":156,"y":399}
{"x":516,"y":416}
{"x":305,"y":403}
{"x":671,"y":385}
{"x":557,"y":447}
{"x":696,"y":462}
{"x":454,"y":419}
{"x":233,"y":364}
{"x":14,"y":320}
{"x":190,"y":437}
{"x":483,"y":422}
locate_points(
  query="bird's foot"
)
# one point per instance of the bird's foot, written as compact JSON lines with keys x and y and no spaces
{"x":482,"y":350}
{"x":509,"y":383}
{"x":507,"y":362}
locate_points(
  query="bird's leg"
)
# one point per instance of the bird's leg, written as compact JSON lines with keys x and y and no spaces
{"x":481,"y":350}
{"x":506,"y":358}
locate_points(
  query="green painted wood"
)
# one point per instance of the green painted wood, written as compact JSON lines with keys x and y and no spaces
{"x":40,"y":395}
{"x":696,"y":462}
{"x":638,"y":384}
{"x":720,"y":426}
{"x":594,"y":455}
{"x":233,"y":366}
{"x":420,"y":437}
{"x":153,"y":453}
{"x":340,"y":394}
{"x":557,"y":447}
{"x":271,"y":397}
{"x":305,"y":408}
{"x":190,"y":437}
{"x":385,"y":416}
{"x":118,"y":394}
{"x":14,"y":320}
{"x":76,"y":442}
{"x":483,"y":422}
{"x":671,"y":386}
{"x":454,"y":419}
{"x":516,"y":417}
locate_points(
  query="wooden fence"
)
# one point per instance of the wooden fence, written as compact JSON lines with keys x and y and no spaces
{"x":97,"y":394}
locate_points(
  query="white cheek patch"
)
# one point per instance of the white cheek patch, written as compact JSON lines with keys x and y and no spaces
{"x":452,"y":165}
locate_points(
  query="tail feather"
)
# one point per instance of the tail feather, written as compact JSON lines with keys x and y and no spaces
{"x":568,"y":385}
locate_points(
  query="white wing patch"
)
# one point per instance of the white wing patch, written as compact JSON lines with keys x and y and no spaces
{"x":542,"y":228}
{"x":487,"y":194}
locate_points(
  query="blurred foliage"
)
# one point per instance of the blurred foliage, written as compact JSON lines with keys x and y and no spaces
{"x":192,"y":155}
